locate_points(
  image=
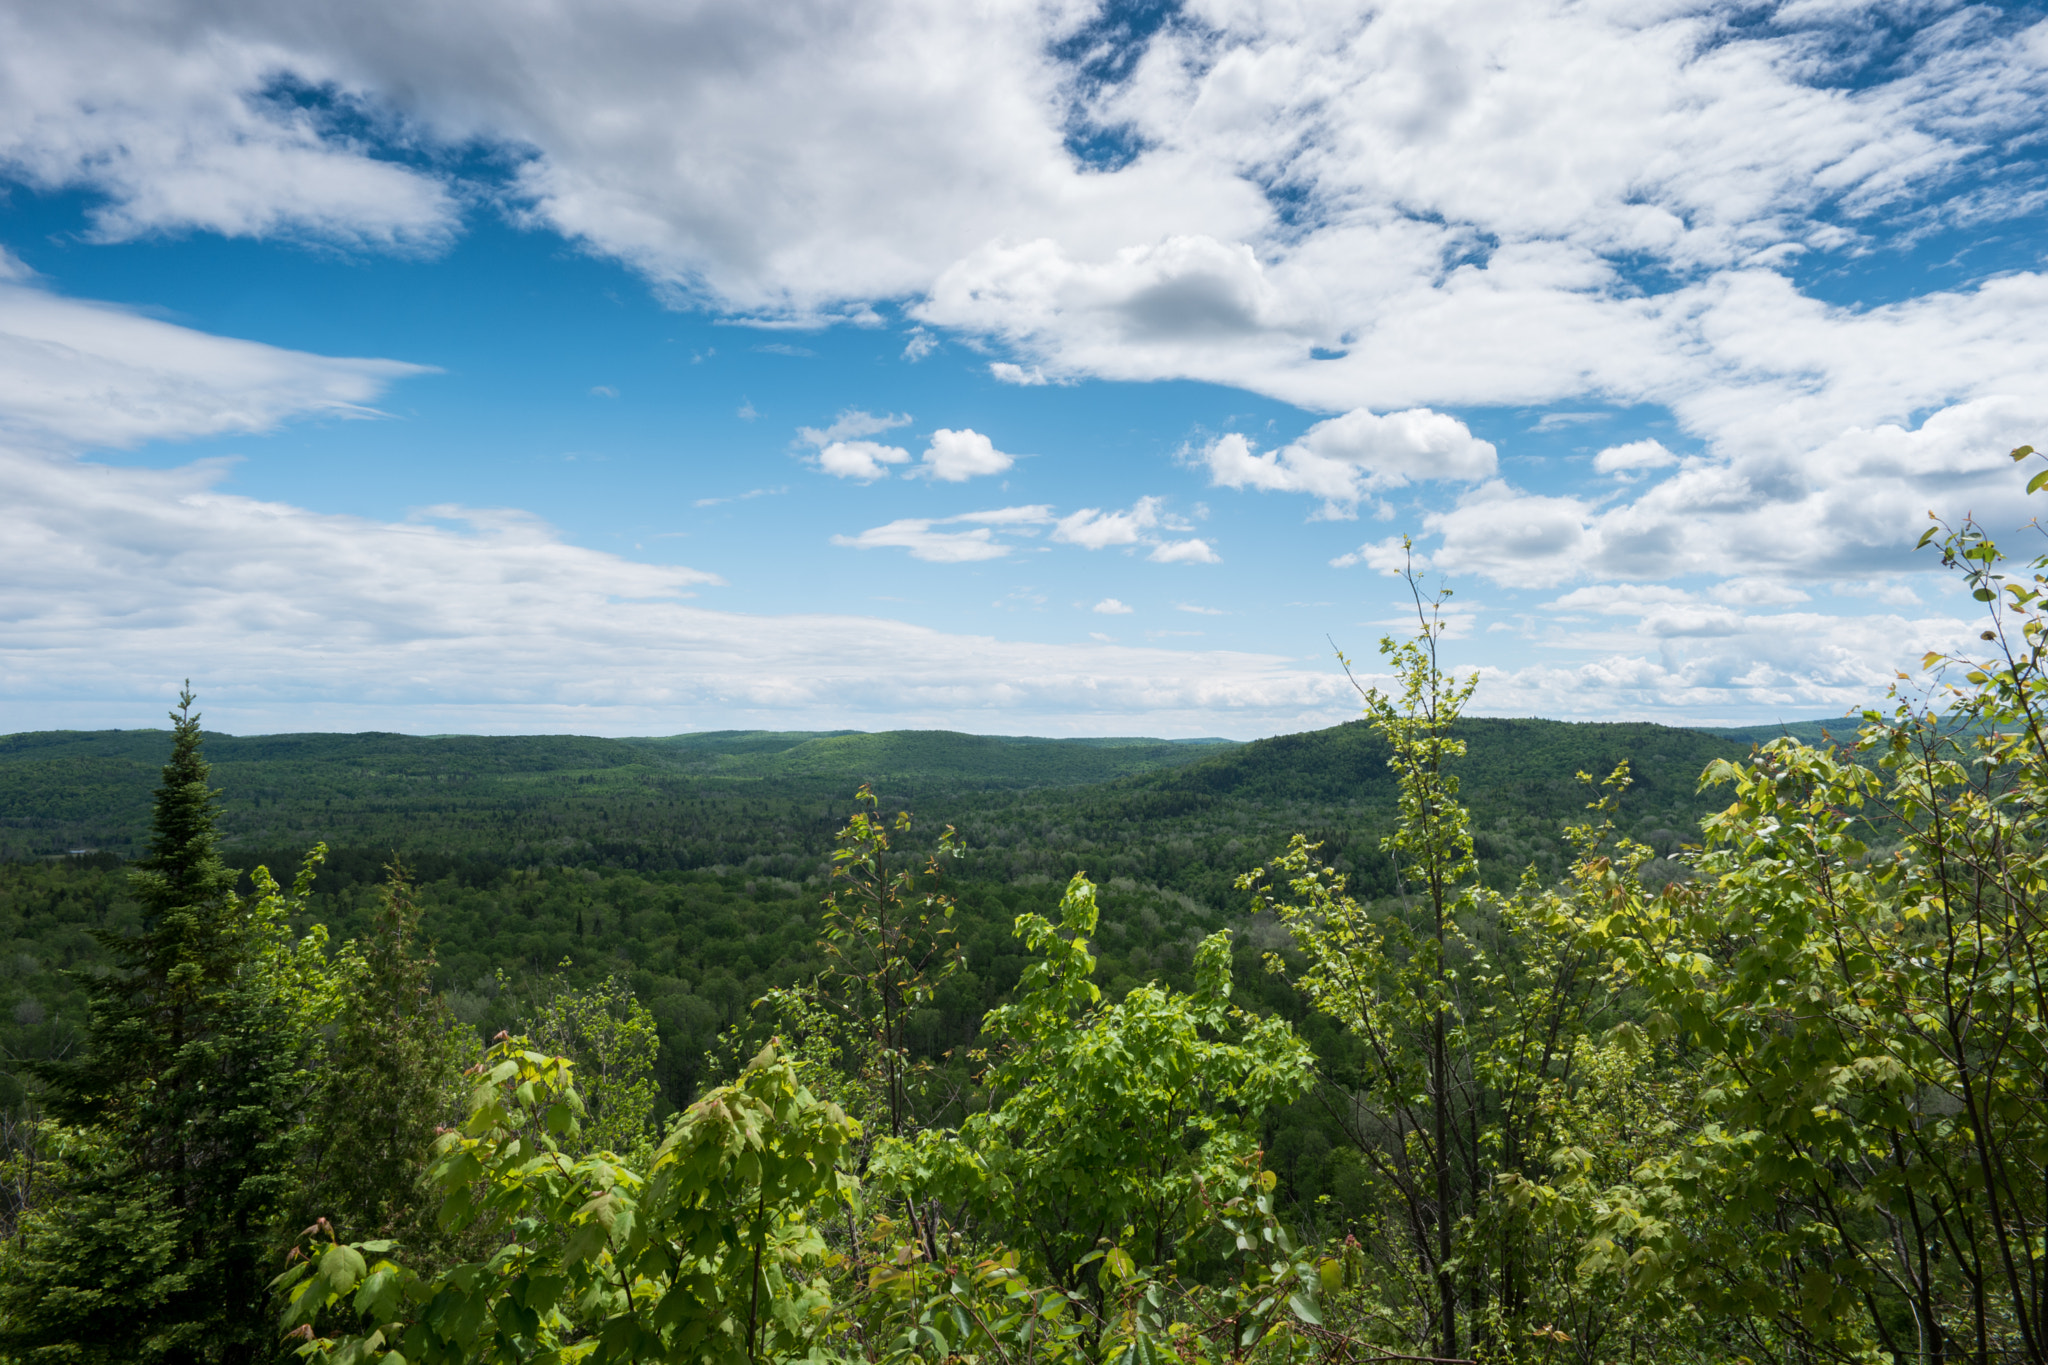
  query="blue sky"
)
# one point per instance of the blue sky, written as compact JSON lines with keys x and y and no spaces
{"x":1052,"y":369}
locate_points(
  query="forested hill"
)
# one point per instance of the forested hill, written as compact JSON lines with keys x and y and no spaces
{"x":726,"y":797}
{"x":1195,"y":828}
{"x":1184,"y":816}
{"x":515,"y":797}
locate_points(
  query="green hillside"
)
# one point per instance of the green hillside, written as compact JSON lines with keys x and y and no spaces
{"x":1836,"y":729}
{"x":1194,"y":829}
{"x":942,"y":757}
{"x":521,"y":797}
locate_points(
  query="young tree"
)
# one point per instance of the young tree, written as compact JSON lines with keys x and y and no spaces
{"x":1871,"y":1022}
{"x":613,"y":1041}
{"x":703,"y":1255}
{"x":1479,"y":1079}
{"x":891,"y":943}
{"x":1126,"y":1125}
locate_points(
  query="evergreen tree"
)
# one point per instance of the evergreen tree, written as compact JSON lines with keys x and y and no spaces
{"x":393,"y":1075}
{"x":189,"y":1088}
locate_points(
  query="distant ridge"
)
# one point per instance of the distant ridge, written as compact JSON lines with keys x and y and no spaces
{"x":674,"y":797}
{"x":63,"y":789}
{"x":1842,"y":729}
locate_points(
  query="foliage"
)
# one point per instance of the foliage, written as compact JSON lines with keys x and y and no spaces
{"x":1478,"y":1083}
{"x":95,"y":1272}
{"x":389,"y":1078}
{"x":679,"y":802}
{"x":705,"y":1255}
{"x":1871,"y":1024}
{"x":890,"y":949}
{"x":611,"y":1038}
{"x":1110,"y":1130}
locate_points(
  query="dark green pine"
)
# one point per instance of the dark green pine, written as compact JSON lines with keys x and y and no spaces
{"x":148,"y":1007}
{"x":191,"y":1085}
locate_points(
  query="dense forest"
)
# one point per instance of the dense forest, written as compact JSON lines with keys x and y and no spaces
{"x":702,"y":884}
{"x":1428,"y":1037}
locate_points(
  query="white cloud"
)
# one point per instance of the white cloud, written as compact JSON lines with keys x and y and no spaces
{"x":1437,"y":203}
{"x":1771,"y":509}
{"x":1032,"y":514}
{"x":1199,"y":611}
{"x":1710,"y":667}
{"x":846,"y":458}
{"x":1623,"y":459}
{"x":1513,"y":537}
{"x":916,"y":535}
{"x":1091,"y":528}
{"x":1432,"y":204}
{"x":1558,"y":421}
{"x":1389,"y":556}
{"x":852,"y":423}
{"x":1190,"y":551}
{"x":1109,"y":606}
{"x":1141,"y":524}
{"x":165,"y":114}
{"x":116,"y":583}
{"x":1757,"y":592}
{"x":862,"y":460}
{"x":919,"y":344}
{"x":76,"y":374}
{"x":1620,"y":599}
{"x":1344,"y":458}
{"x":957,"y":456}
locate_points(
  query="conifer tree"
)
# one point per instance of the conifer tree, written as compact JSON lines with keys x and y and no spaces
{"x":187,"y":1094}
{"x":393,"y":1075}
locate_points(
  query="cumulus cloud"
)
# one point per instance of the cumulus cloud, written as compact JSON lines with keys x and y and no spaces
{"x":1434,"y":204}
{"x":957,"y":456}
{"x":851,"y":423}
{"x":844,"y":457}
{"x":1635,"y":455}
{"x":1144,"y":523}
{"x":865,"y":461}
{"x":1189,"y":551}
{"x":180,"y":124}
{"x":1441,"y":202}
{"x":1712,"y":666}
{"x":1091,"y":528}
{"x":1109,"y":606}
{"x":1345,"y":458}
{"x":1852,"y":506}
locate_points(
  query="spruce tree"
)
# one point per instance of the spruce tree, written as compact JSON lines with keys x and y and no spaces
{"x":190,"y":1086}
{"x":393,"y":1075}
